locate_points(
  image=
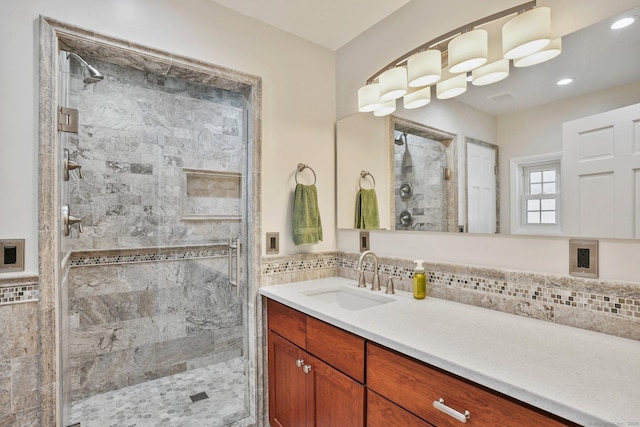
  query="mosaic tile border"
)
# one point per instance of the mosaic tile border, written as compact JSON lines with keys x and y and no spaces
{"x":15,"y":290}
{"x":617,"y":298}
{"x":298,"y":263}
{"x":137,"y":255}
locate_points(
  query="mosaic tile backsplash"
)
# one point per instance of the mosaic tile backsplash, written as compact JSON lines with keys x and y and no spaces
{"x":608,"y":307}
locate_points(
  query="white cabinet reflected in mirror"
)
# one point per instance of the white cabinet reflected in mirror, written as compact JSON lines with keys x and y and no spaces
{"x":516,"y":128}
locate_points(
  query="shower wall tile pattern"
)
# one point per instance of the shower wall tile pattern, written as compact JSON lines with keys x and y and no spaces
{"x":19,"y":354}
{"x":603,"y":306}
{"x":420,"y":163}
{"x":133,"y":322}
{"x":138,"y":133}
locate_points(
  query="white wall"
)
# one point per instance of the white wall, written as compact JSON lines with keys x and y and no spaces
{"x":408,"y":28}
{"x":295,"y":73}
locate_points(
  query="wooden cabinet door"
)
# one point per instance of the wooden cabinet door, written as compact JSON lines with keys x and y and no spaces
{"x":287,"y":384}
{"x":335,"y":399}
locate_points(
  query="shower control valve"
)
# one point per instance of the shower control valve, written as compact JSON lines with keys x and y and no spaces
{"x":68,"y":220}
{"x":71,"y":165}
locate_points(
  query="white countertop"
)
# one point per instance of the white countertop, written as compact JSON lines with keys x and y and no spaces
{"x":587,"y":377}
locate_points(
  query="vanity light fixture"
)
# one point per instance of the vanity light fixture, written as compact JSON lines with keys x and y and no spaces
{"x":417,"y":98}
{"x":490,"y":73}
{"x":468,"y":51}
{"x":369,"y":98}
{"x":565,"y":81}
{"x":527,"y":33}
{"x":452,"y":87}
{"x":550,"y":51}
{"x":387,"y":108}
{"x":464,"y":55}
{"x":424,"y":68}
{"x":393,"y":84}
{"x":623,"y":22}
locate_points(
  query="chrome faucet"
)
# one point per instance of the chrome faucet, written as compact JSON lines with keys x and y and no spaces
{"x":375,"y":282}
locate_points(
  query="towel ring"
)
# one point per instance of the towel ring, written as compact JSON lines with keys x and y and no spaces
{"x":301,"y":167}
{"x":364,"y":174}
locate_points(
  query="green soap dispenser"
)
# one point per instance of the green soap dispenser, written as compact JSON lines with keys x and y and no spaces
{"x":419,"y":281}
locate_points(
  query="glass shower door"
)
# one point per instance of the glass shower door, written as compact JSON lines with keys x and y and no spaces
{"x":157,"y":330}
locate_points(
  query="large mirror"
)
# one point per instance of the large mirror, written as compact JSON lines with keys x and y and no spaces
{"x":528,"y":131}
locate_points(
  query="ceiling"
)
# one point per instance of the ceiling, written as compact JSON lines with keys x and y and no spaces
{"x":329,"y":23}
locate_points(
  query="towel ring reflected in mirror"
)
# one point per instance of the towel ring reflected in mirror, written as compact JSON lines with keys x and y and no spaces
{"x":301,"y":167}
{"x":363,"y":175}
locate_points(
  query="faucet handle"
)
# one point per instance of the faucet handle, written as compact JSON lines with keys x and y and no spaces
{"x":390,"y":289}
{"x":361,"y":280}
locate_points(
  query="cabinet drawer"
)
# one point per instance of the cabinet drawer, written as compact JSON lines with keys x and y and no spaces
{"x":340,"y":349}
{"x":415,"y":386}
{"x":287,"y":322}
{"x":382,"y":413}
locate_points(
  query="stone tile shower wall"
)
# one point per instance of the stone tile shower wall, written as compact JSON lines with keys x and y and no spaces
{"x":147,"y":288}
{"x":140,"y":316}
{"x":141,"y":136}
{"x":421,"y":162}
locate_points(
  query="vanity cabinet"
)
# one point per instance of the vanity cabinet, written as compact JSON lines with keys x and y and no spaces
{"x":315,"y":372}
{"x":317,"y":377}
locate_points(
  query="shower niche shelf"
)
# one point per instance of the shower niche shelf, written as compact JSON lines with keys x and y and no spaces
{"x":211,"y":195}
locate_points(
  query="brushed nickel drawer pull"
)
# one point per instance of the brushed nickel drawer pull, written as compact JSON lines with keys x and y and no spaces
{"x":440,"y":406}
{"x":299,"y":363}
{"x":306,"y":369}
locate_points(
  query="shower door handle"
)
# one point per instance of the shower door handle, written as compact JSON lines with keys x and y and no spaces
{"x":234,"y":246}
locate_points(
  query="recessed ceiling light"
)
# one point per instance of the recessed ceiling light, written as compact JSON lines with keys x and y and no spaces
{"x":623,"y":22}
{"x":563,"y":82}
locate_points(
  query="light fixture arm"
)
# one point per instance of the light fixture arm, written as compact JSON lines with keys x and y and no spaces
{"x":445,"y":37}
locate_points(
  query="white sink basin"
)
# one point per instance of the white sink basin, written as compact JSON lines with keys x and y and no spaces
{"x":348,"y":298}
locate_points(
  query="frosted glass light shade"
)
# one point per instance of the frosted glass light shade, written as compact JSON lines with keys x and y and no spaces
{"x":491,"y":73}
{"x":552,"y":50}
{"x":451,"y":87}
{"x":393,"y":83}
{"x":417,"y":98}
{"x":424,"y":68}
{"x":369,"y":98}
{"x":526,"y":33}
{"x":468,"y":51}
{"x":387,"y":108}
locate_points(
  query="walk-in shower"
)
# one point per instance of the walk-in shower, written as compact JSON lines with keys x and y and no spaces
{"x":154,"y":297}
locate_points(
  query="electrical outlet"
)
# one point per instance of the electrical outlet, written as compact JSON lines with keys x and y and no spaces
{"x":364,"y":241}
{"x":583,"y":258}
{"x":11,"y":255}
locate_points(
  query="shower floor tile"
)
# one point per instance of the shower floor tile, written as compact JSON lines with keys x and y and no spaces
{"x":167,"y":401}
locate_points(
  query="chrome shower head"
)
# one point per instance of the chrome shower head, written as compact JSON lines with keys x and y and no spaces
{"x":401,"y":139}
{"x":94,"y":75}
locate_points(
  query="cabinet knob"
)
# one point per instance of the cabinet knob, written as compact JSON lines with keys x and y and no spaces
{"x":306,"y":369}
{"x":299,"y":363}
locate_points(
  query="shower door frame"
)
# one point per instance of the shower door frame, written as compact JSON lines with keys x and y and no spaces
{"x":54,"y":36}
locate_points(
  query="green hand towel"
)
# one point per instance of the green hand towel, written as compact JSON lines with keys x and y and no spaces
{"x":307,"y":227}
{"x":367,"y":210}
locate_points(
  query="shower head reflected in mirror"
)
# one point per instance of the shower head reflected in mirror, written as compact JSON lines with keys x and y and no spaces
{"x":94,"y":75}
{"x":401,"y":139}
